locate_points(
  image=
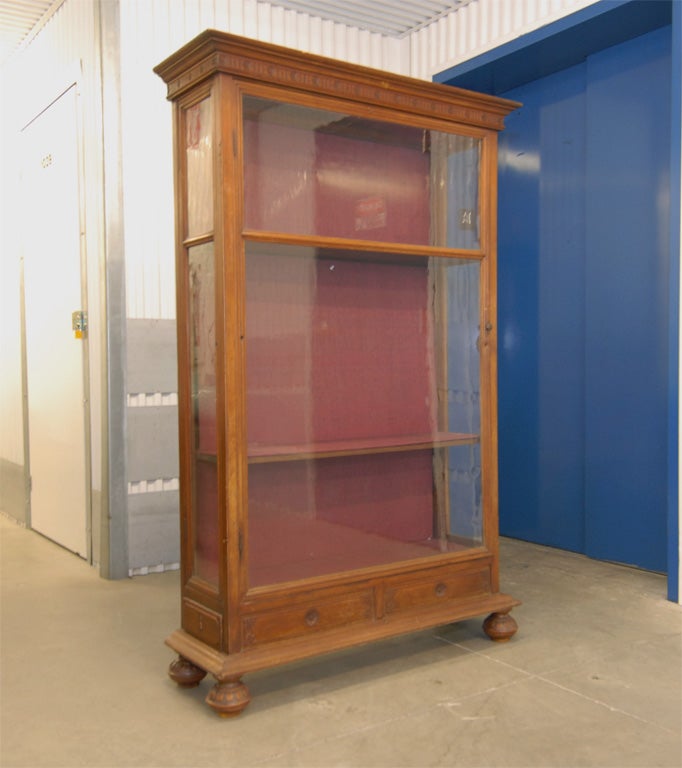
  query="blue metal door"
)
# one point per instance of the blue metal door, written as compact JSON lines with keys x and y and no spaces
{"x":583,"y":303}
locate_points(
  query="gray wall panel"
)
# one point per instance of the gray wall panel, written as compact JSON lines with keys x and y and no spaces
{"x":153,"y":529}
{"x":152,"y":356}
{"x":152,"y":443}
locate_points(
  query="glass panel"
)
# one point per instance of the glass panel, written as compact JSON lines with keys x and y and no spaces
{"x":362,"y":393}
{"x":314,"y":172}
{"x":463,"y":402}
{"x":204,"y":476}
{"x":455,"y":181}
{"x":199,"y":149}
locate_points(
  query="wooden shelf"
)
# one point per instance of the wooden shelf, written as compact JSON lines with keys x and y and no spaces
{"x":354,"y":249}
{"x":266,"y":454}
{"x":262,"y":454}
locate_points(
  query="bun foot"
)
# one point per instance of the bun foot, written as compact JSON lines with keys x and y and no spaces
{"x":184,"y":673}
{"x":228,"y":698}
{"x":500,"y":627}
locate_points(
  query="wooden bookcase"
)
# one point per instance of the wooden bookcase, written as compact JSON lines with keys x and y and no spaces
{"x":337,"y":357}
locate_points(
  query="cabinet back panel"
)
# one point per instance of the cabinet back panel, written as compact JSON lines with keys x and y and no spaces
{"x":337,"y":350}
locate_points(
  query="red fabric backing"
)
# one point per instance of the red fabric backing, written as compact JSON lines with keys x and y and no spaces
{"x":305,"y":182}
{"x":336,"y":350}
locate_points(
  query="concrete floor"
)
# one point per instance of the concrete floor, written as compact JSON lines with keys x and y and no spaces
{"x":593,"y":677}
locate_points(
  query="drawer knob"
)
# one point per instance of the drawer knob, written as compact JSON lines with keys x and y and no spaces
{"x":441,"y":589}
{"x":312,"y":617}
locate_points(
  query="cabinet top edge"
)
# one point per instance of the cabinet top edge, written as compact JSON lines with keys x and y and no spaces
{"x":214,"y":52}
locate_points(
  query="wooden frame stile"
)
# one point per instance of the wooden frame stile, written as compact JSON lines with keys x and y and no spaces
{"x":229,"y":695}
{"x":229,"y":245}
{"x":222,"y":435}
{"x":184,"y":342}
{"x":488,"y":335}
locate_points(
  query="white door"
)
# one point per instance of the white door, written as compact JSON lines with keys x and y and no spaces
{"x":58,"y":443}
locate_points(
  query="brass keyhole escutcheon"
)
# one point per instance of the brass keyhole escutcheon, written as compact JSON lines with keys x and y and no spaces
{"x":441,"y":589}
{"x":312,"y":617}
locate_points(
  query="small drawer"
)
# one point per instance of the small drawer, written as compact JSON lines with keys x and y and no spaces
{"x":436,"y":587}
{"x":318,"y":615}
{"x":202,"y":623}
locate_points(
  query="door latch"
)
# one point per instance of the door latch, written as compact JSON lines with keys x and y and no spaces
{"x":79,"y":323}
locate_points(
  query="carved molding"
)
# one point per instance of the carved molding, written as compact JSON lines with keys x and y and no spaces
{"x":215,"y":52}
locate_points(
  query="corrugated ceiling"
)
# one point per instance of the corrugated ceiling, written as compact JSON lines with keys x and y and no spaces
{"x":20,"y":19}
{"x":395,"y":18}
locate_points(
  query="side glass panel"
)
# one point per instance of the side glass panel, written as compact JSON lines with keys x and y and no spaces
{"x":463,"y":411}
{"x":204,"y":468}
{"x":315,"y":172}
{"x":199,"y":157}
{"x":455,"y":163}
{"x":362,"y":408}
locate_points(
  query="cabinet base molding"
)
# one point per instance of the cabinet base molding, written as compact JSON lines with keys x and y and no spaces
{"x":230,"y":695}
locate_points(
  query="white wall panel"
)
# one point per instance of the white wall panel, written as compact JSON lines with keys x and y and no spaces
{"x":11,"y":425}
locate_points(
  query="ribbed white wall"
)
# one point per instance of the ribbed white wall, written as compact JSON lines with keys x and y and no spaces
{"x":149,"y":33}
{"x":479,"y":27}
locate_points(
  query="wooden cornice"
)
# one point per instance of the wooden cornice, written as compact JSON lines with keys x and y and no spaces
{"x":214,"y":52}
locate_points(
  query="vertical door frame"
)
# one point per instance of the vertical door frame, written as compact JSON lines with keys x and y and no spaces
{"x":114,"y":513}
{"x":532,"y":57}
